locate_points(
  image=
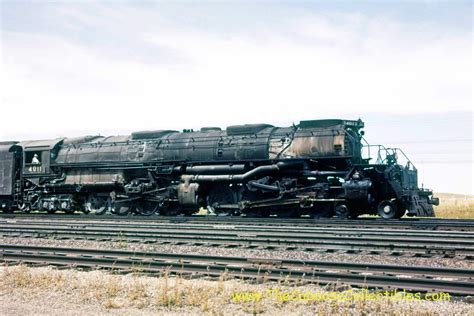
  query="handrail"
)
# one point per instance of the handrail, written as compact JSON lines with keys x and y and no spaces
{"x":389,"y":151}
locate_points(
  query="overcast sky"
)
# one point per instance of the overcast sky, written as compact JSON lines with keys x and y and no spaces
{"x":86,"y":67}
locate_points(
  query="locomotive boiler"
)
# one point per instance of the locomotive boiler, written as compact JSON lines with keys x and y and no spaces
{"x":315,"y":168}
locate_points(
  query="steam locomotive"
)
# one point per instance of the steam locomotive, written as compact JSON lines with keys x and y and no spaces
{"x":315,"y":168}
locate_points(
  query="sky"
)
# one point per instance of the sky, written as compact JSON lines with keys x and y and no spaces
{"x":70,"y":68}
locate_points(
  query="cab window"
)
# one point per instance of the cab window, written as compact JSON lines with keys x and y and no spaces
{"x":33,"y":158}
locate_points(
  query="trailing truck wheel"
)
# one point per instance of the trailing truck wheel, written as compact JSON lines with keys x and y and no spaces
{"x":342,"y":211}
{"x":25,"y":209}
{"x":388,"y":210}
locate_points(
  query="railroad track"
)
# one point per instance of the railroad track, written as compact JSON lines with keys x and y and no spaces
{"x":375,"y":241}
{"x":413,"y":278}
{"x":405,"y":223}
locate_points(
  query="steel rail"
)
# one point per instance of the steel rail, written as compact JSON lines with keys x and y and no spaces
{"x":465,"y":241}
{"x":414,"y":278}
{"x":237,"y":227}
{"x":418,"y":223}
{"x":415,"y":237}
{"x":254,"y":240}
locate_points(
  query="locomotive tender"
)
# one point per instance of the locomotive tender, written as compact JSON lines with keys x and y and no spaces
{"x":314,"y":168}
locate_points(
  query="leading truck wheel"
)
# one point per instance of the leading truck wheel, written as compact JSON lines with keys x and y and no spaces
{"x":146,"y":208}
{"x":388,"y":210}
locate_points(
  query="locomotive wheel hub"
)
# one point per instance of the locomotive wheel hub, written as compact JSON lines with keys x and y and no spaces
{"x":388,"y":210}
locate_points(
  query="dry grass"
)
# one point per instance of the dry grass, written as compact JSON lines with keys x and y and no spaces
{"x":455,"y":206}
{"x":120,"y":293}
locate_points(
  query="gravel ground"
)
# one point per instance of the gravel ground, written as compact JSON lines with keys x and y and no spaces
{"x":257,"y":253}
{"x":45,"y":291}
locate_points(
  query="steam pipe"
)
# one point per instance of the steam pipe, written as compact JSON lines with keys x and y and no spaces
{"x":211,"y":169}
{"x":256,"y":172}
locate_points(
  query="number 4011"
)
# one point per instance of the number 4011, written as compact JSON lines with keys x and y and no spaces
{"x":34,"y":168}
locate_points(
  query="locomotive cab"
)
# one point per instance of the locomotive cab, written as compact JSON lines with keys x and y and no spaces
{"x":37,"y":156}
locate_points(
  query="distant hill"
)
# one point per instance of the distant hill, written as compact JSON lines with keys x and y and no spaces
{"x":455,"y":205}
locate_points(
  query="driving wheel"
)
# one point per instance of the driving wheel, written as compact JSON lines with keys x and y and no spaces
{"x":95,"y":205}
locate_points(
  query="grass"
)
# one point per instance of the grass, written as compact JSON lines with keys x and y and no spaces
{"x":455,"y":206}
{"x":121,"y":240}
{"x":191,"y":296}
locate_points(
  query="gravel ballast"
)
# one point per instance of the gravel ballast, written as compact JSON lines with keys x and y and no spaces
{"x":255,"y":253}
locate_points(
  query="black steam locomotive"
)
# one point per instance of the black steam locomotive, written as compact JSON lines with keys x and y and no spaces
{"x":314,"y":168}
